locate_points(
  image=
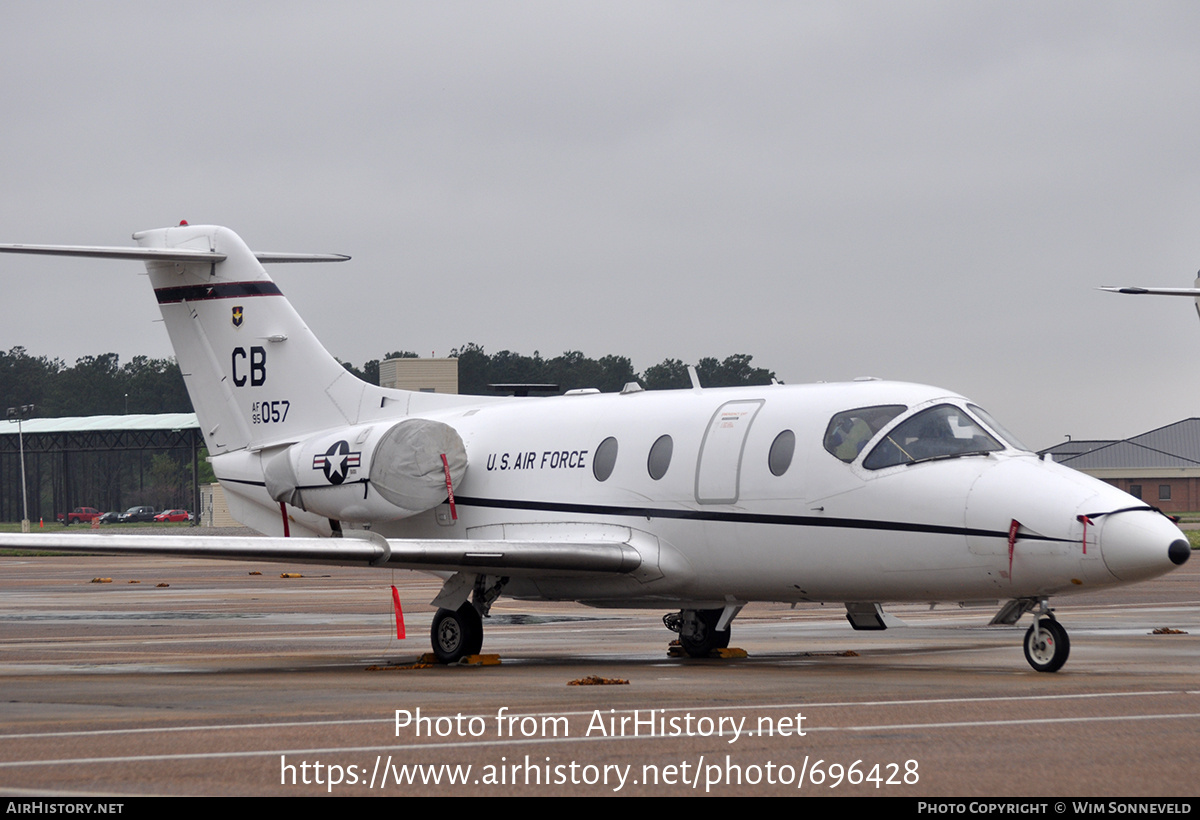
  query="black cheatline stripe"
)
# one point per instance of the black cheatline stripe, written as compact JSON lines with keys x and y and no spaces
{"x":728,"y":517}
{"x":298,"y":487}
{"x":221,"y":290}
{"x":745,"y":518}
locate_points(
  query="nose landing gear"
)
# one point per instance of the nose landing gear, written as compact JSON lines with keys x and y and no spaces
{"x":1046,"y":643}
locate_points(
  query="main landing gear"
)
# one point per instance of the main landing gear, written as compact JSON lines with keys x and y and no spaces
{"x":457,"y":633}
{"x":697,"y":628}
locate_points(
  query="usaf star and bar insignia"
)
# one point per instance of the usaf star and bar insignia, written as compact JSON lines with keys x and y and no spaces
{"x":337,"y":461}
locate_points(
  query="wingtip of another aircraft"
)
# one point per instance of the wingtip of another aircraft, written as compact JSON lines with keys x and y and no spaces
{"x":1152,"y":291}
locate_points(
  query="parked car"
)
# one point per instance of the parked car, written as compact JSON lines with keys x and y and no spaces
{"x":173,"y":515}
{"x":110,"y":518}
{"x":80,"y":515}
{"x":135,"y":514}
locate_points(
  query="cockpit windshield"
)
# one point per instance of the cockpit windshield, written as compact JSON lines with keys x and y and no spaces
{"x":943,"y":431}
{"x":997,"y":427}
{"x":848,"y":432}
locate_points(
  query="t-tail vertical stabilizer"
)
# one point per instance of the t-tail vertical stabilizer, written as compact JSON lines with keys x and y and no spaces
{"x":288,"y":429}
{"x":252,"y":366}
{"x":280,"y":414}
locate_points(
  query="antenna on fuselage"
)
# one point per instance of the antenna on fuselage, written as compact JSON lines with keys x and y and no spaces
{"x":522,"y":390}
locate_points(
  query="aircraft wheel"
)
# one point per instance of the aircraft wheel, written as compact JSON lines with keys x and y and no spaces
{"x":707,"y":637}
{"x":1050,"y":650}
{"x":456,"y":633}
{"x":475,"y":646}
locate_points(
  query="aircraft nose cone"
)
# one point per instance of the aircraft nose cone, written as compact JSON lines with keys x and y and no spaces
{"x":1142,"y":544}
{"x":1179,"y":551}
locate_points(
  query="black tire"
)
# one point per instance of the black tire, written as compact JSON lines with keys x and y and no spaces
{"x":476,"y":644}
{"x":456,"y":633}
{"x":707,"y":637}
{"x":1050,"y":651}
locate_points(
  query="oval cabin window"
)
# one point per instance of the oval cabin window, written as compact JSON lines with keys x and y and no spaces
{"x":782,"y":449}
{"x":605,"y":459}
{"x":660,"y":457}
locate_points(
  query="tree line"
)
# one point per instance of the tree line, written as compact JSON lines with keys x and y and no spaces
{"x":101,"y":385}
{"x":95,"y":385}
{"x":572,"y":370}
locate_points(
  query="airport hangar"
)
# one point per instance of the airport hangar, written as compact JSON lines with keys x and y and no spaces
{"x":1161,"y":466}
{"x":71,"y":461}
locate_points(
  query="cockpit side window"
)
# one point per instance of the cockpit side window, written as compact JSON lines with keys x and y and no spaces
{"x":848,"y":432}
{"x":944,"y":431}
{"x":997,"y":428}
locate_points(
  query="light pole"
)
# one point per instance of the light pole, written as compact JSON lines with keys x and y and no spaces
{"x":19,"y":414}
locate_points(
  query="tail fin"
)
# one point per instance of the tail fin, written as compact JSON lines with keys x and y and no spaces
{"x":273,"y":401}
{"x":256,"y":374}
{"x":252,"y":367}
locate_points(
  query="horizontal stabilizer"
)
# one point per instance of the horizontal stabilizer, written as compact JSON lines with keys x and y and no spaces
{"x":268,"y":258}
{"x":164,"y":254}
{"x":359,"y":548}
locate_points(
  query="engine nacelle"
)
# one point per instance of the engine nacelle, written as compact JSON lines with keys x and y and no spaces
{"x":368,"y":472}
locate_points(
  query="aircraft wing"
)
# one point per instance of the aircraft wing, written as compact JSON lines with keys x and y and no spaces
{"x":1154,"y":291}
{"x":358,"y":548}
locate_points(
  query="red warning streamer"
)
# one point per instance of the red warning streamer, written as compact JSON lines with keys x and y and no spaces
{"x":1085,"y":521}
{"x":1012,"y":540}
{"x":287,"y":533}
{"x":399,"y":613}
{"x":449,"y":488}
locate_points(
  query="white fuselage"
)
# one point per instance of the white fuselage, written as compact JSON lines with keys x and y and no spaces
{"x":719,"y":526}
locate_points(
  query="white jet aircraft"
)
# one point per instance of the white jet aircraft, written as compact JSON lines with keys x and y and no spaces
{"x":698,"y":501}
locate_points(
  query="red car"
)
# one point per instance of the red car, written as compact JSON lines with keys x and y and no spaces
{"x":173,"y":515}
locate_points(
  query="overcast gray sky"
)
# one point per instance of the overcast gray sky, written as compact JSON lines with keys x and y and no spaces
{"x":926,"y":191}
